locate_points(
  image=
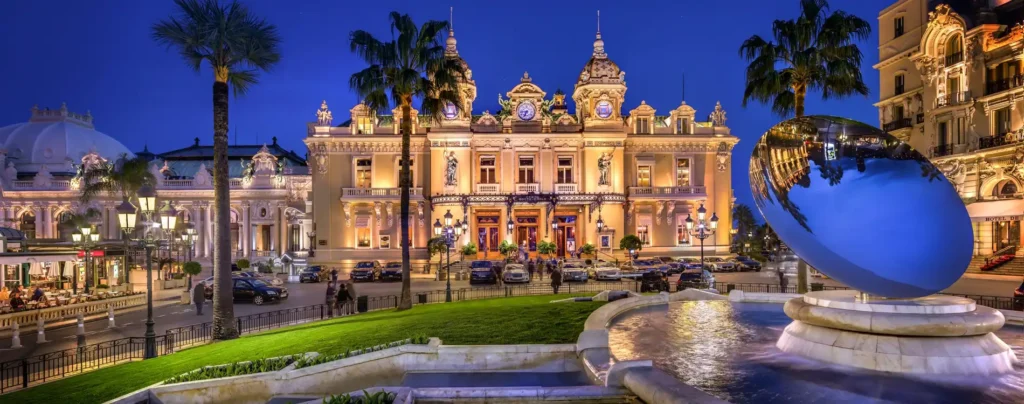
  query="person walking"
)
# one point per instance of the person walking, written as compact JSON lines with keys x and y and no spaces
{"x":530,"y":268}
{"x":330,"y":298}
{"x":199,"y":296}
{"x":344,"y":301}
{"x":556,"y":280}
{"x":783,"y":281}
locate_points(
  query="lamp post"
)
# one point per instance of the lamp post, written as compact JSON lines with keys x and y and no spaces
{"x":451,"y":233}
{"x":702,"y":229}
{"x":312,"y":245}
{"x":188,"y":239}
{"x":154,"y":230}
{"x":85,"y":239}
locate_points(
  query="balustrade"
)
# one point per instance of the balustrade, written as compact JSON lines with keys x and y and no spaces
{"x":1000,"y":140}
{"x":566,"y":188}
{"x":488,"y":188}
{"x":527,"y":188}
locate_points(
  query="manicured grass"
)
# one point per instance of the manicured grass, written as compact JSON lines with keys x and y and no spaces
{"x":519,"y":320}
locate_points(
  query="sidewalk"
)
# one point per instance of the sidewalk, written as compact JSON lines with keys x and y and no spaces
{"x":161,"y":298}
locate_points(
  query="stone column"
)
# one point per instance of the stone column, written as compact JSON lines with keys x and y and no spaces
{"x":195,"y":216}
{"x":40,"y":223}
{"x":246,"y":233}
{"x":208,"y":227}
{"x":106,"y":223}
{"x":275,"y":233}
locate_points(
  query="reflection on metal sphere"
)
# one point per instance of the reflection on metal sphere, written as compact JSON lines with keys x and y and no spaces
{"x":861,"y":206}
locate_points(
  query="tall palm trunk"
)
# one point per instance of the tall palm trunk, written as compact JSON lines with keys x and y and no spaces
{"x":404,"y":183}
{"x":223,"y":308}
{"x":799,"y":95}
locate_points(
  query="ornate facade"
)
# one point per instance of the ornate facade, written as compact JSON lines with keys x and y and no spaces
{"x":44,"y":159}
{"x":512,"y":174}
{"x":951,"y":84}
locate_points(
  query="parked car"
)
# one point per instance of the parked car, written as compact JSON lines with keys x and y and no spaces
{"x":515,"y":273}
{"x":691,"y":263}
{"x":719,"y":264}
{"x":605,"y":271}
{"x":674,"y":267}
{"x":482,"y":272}
{"x":367,"y":271}
{"x":392,"y":271}
{"x":746,"y":263}
{"x":253,"y":290}
{"x":649,"y":265}
{"x":311,"y":274}
{"x":574,"y":271}
{"x":696,"y":278}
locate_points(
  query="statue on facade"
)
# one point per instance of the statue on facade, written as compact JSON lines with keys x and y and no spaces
{"x":451,"y":170}
{"x":603,"y":164}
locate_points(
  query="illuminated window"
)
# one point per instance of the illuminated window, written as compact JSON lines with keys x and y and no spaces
{"x":643,"y":176}
{"x":526,"y":170}
{"x":487,"y":170}
{"x":564,"y":170}
{"x":682,"y":236}
{"x":1002,"y":121}
{"x":364,"y":126}
{"x":682,"y":172}
{"x":364,"y":173}
{"x":363,"y":237}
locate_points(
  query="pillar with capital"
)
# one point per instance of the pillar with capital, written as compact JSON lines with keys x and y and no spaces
{"x":40,"y":222}
{"x":208,"y":222}
{"x":246,"y":233}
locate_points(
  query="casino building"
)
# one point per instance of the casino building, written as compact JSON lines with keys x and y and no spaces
{"x":531,"y":171}
{"x":952,"y":82}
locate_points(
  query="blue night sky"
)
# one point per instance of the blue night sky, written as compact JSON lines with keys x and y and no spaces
{"x":98,"y":55}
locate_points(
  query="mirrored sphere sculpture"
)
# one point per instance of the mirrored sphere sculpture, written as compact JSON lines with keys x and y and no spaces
{"x":861,"y":206}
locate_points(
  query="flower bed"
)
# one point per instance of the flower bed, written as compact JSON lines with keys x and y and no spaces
{"x":308,"y":361}
{"x":380,"y":397}
{"x":235,"y":369}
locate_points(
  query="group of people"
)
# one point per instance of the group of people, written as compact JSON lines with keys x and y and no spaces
{"x":341,"y":296}
{"x":16,"y":298}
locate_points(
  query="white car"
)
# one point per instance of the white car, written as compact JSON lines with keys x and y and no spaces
{"x":515,"y":273}
{"x":605,"y":271}
{"x":718,"y":264}
{"x":574,"y":271}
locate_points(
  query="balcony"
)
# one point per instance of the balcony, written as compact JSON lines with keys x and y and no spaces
{"x":954,"y":58}
{"x":1001,"y":85}
{"x":566,"y":188}
{"x":527,"y":188}
{"x":378,"y":193}
{"x":958,"y":98}
{"x":1001,"y":140}
{"x":897,"y":124}
{"x":666,"y":192}
{"x":942,"y":150}
{"x":488,"y":189}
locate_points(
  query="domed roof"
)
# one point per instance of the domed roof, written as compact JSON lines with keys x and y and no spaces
{"x":452,"y":51}
{"x":599,"y":69}
{"x":56,"y":138}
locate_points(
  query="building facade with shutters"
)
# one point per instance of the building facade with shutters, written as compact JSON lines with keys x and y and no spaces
{"x":532,"y":171}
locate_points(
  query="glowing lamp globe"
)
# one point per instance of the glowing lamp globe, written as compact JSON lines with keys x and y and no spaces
{"x":861,"y":206}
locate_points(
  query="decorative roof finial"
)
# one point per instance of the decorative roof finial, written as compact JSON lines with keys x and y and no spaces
{"x":323,"y":115}
{"x":526,"y":78}
{"x":599,"y":43}
{"x":450,"y":48}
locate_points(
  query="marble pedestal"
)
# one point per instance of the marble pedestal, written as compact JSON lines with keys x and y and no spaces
{"x":930,"y":335}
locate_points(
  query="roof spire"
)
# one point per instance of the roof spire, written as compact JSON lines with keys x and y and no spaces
{"x":598,"y":43}
{"x":450,"y":49}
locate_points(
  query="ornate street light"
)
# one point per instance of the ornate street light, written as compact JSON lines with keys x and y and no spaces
{"x":437,"y":227}
{"x":85,"y":239}
{"x":448,"y":218}
{"x":600,"y":223}
{"x":150,"y":237}
{"x":510,"y":225}
{"x":702,"y":229}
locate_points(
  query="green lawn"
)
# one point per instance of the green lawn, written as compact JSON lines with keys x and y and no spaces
{"x":519,"y":320}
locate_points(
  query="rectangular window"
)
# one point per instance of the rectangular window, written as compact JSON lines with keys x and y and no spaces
{"x":953,"y":90}
{"x":898,"y":27}
{"x":363,"y":173}
{"x":643,"y":125}
{"x":900,"y":82}
{"x":958,"y":131}
{"x":363,"y":237}
{"x":487,"y":170}
{"x":682,"y":172}
{"x":682,"y":235}
{"x":643,"y":176}
{"x":642,"y":231}
{"x":943,"y":133}
{"x":564,"y":170}
{"x":897,"y":112}
{"x":682,"y":126}
{"x":364,"y":126}
{"x":526,"y":170}
{"x":1002,"y":123}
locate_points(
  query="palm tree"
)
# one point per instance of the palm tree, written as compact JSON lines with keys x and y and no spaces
{"x":124,"y":177}
{"x":236,"y":45}
{"x":411,"y":65}
{"x":814,"y":52}
{"x":745,"y":221}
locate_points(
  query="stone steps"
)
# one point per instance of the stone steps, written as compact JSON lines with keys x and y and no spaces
{"x":1014,"y":267}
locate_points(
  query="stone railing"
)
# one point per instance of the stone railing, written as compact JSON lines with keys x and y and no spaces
{"x":374,"y":193}
{"x":30,"y":184}
{"x":667,"y":191}
{"x":29,"y":317}
{"x":566,"y":188}
{"x":488,"y":188}
{"x":178,"y":183}
{"x":527,"y":188}
{"x":236,"y":182}
{"x":263,"y":253}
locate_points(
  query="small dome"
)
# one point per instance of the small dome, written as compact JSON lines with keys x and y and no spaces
{"x":599,"y":69}
{"x":56,"y":138}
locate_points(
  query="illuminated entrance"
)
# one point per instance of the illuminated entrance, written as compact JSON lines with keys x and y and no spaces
{"x":526,"y":230}
{"x":488,"y":228}
{"x":565,"y":235}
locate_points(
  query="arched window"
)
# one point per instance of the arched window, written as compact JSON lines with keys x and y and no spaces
{"x":28,"y":225}
{"x":64,"y":226}
{"x":954,"y":50}
{"x":1005,"y":188}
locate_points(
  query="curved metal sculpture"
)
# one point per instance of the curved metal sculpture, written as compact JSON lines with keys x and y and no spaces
{"x":861,"y":206}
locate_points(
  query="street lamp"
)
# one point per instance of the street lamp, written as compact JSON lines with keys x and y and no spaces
{"x":600,"y":223}
{"x":155,"y":230}
{"x":312,"y":245}
{"x":451,"y":233}
{"x":188,"y":239}
{"x":702,"y":229}
{"x":510,"y":225}
{"x":85,"y":239}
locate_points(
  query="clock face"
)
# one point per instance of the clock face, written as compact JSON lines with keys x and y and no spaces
{"x":526,"y":111}
{"x":603,"y":109}
{"x":450,"y":112}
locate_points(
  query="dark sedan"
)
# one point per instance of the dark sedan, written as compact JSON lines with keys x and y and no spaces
{"x":748,"y":264}
{"x":482,"y":272}
{"x":252,"y":290}
{"x":391,"y":272}
{"x":311,"y":274}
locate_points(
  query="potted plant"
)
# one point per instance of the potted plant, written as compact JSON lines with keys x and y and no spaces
{"x":547,"y":248}
{"x":508,"y":249}
{"x":588,"y":250}
{"x":631,"y":243}
{"x":191,"y":268}
{"x":469,"y":251}
{"x":243,"y":264}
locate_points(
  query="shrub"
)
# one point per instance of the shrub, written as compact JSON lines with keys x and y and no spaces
{"x":508,"y":249}
{"x":380,"y":397}
{"x":631,"y":242}
{"x":234,"y":369}
{"x":304,"y":362}
{"x":243,"y":264}
{"x":588,"y":249}
{"x":192,"y":268}
{"x":546,"y":247}
{"x":469,"y":249}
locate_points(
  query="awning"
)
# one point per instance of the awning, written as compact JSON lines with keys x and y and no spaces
{"x":997,"y":211}
{"x":21,"y":259}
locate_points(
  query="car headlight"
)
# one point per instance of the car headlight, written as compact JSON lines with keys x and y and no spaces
{"x":271,"y":293}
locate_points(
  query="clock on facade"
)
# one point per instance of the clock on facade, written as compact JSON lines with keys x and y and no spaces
{"x":603,"y":109}
{"x":450,"y":112}
{"x":526,"y":111}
